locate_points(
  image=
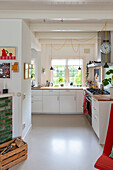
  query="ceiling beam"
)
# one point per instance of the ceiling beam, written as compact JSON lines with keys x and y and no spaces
{"x":41,"y":14}
{"x":69,"y":27}
{"x":80,"y":36}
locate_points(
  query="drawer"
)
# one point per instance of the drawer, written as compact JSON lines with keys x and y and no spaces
{"x":95,"y":105}
{"x":50,"y":92}
{"x":95,"y":124}
{"x":95,"y":110}
{"x":36,"y":98}
{"x":36,"y":92}
{"x":67,"y":92}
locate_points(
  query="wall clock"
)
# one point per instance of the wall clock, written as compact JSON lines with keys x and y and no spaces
{"x":105,"y":47}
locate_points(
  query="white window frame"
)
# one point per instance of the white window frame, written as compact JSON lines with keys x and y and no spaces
{"x":67,"y":68}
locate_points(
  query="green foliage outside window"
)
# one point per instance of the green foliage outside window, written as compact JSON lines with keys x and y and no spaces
{"x":33,"y":74}
{"x":58,"y":73}
{"x":75,"y":75}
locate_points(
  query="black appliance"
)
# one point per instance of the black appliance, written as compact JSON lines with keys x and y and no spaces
{"x":89,"y":93}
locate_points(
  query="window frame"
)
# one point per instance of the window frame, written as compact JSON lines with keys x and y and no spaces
{"x":67,"y":66}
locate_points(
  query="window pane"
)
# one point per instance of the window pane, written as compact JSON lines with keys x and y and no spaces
{"x":75,"y":75}
{"x":74,"y":62}
{"x":58,"y":62}
{"x":59,"y":75}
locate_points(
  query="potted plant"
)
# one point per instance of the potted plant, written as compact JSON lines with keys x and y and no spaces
{"x":60,"y":81}
{"x":108,"y":81}
{"x":43,"y":70}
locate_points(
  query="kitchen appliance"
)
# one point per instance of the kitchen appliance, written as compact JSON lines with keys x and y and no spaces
{"x":89,"y":93}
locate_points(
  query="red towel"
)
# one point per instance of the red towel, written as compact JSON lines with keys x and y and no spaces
{"x":84,"y":104}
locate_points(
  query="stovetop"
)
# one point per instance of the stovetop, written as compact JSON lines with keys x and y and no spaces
{"x":97,"y":91}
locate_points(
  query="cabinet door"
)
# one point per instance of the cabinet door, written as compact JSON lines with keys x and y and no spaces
{"x":36,"y":106}
{"x":95,"y":116}
{"x":67,"y":104}
{"x":50,"y":104}
{"x":79,"y":101}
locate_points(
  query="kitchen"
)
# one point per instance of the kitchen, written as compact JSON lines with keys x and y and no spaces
{"x":63,"y":50}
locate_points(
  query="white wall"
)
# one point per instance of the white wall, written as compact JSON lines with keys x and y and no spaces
{"x":15,"y":33}
{"x":26,"y":83}
{"x":65,"y":52}
{"x":10,"y":36}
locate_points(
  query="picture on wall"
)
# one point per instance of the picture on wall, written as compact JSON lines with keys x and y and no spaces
{"x":5,"y":70}
{"x":96,"y":75}
{"x":7,"y":53}
{"x":30,"y":70}
{"x":26,"y":70}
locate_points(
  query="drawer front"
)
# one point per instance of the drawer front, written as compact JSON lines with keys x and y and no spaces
{"x":95,"y":123}
{"x":50,"y":92}
{"x":36,"y":92}
{"x":67,"y":92}
{"x":95,"y":105}
{"x":36,"y":98}
{"x":95,"y":110}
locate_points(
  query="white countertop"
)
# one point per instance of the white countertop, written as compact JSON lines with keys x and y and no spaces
{"x":6,"y":95}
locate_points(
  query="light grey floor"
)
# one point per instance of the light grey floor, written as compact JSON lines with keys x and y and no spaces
{"x":61,"y":142}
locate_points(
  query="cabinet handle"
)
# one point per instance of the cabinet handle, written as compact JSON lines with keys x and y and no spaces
{"x":50,"y":91}
{"x":94,"y":108}
{"x":74,"y":98}
{"x":95,"y":117}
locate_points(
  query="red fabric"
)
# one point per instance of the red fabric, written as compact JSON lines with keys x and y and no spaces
{"x":84,"y":104}
{"x":104,"y":162}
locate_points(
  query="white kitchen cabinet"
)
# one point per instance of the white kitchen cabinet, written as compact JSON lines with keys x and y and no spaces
{"x":50,"y":101}
{"x":79,"y":101}
{"x":100,"y":118}
{"x":68,"y":101}
{"x":50,"y":104}
{"x":57,"y":101}
{"x":36,"y":99}
{"x":95,"y":116}
{"x":68,"y":104}
{"x":36,"y":106}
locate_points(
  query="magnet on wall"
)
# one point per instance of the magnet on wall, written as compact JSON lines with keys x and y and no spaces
{"x":15,"y":67}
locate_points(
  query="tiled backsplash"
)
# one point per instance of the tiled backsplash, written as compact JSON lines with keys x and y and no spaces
{"x":5,"y":119}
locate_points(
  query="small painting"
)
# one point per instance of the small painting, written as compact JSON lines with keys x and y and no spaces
{"x":7,"y":53}
{"x":26,"y":70}
{"x":5,"y":70}
{"x":96,"y":75}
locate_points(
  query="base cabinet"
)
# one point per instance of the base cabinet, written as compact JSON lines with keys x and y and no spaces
{"x":67,"y":104}
{"x":79,"y":101}
{"x":57,"y":101}
{"x":50,"y":104}
{"x":37,"y":106}
{"x":100,"y":118}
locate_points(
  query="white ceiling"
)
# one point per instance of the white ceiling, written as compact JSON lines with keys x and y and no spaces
{"x":46,"y":17}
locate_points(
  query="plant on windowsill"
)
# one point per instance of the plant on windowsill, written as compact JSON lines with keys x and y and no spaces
{"x":108,"y":81}
{"x":43,"y":70}
{"x":60,"y":81}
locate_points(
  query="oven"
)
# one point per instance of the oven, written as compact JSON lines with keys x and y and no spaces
{"x":89,"y":107}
